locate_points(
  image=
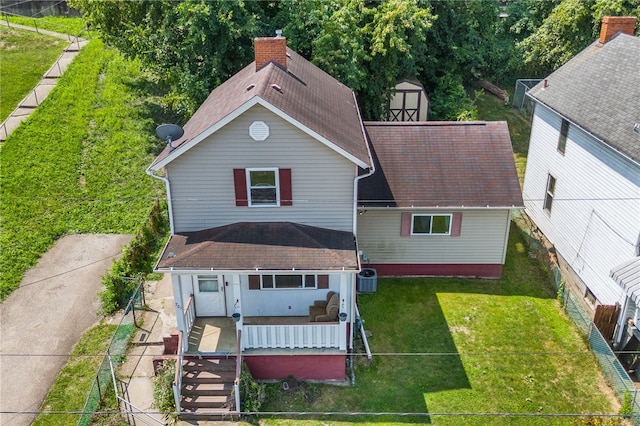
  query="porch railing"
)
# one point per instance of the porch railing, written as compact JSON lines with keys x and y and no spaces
{"x":189,"y":313}
{"x":236,"y":382}
{"x":291,"y":336}
{"x":177,"y":381}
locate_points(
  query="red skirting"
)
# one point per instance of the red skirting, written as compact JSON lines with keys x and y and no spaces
{"x":302,"y":367}
{"x":438,"y":270}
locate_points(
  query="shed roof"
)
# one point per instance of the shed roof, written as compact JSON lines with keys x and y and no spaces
{"x":441,"y":164}
{"x":599,"y":90}
{"x":301,"y":93}
{"x":261,"y":246}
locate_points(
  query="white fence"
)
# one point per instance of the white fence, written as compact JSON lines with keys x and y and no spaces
{"x":311,"y":335}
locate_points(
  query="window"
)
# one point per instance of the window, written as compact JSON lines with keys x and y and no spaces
{"x":262,"y":187}
{"x":431,"y":224}
{"x":562,"y":140}
{"x":548,"y":196}
{"x":208,"y":284}
{"x":289,"y":281}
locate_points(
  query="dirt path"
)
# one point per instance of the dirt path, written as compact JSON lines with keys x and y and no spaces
{"x":43,"y":319}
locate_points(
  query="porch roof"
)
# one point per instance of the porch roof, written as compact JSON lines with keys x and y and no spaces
{"x":261,"y":246}
{"x":627,"y":276}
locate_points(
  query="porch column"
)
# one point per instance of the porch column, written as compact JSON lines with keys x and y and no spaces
{"x":179,"y":305}
{"x":237,"y":304}
{"x":344,"y":309}
{"x":622,"y":320}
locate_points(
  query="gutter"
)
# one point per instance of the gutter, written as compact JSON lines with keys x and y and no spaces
{"x":168,"y":188}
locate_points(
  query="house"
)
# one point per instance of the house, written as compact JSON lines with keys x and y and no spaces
{"x":265,"y":198}
{"x":440,"y":201}
{"x":409,"y":101}
{"x":582,"y":182}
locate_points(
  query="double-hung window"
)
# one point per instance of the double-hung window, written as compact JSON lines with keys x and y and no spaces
{"x":548,"y":196}
{"x":263,"y":187}
{"x":562,"y":139}
{"x":431,"y":224}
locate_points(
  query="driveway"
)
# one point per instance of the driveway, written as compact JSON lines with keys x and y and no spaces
{"x":44,"y":318}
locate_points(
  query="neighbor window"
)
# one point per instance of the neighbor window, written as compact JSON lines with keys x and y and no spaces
{"x":289,"y":281}
{"x":208,"y":283}
{"x":562,"y":140}
{"x":431,"y":224}
{"x":548,"y":196}
{"x":263,"y":187}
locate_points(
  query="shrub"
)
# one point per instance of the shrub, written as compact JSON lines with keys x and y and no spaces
{"x":163,"y":387}
{"x":252,"y":393}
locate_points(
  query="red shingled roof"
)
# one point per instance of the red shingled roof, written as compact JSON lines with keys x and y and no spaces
{"x":441,"y":164}
{"x":263,"y":245}
{"x":302,"y":91}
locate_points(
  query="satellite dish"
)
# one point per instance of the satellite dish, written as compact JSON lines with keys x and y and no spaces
{"x":169,"y":133}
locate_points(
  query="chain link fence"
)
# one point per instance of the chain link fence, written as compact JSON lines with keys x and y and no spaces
{"x":613,"y":371}
{"x":520,"y":98}
{"x":103,"y":386}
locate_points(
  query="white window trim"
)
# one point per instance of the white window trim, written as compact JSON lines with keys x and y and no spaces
{"x":430,"y":234}
{"x":275,"y":170}
{"x":549,"y":195}
{"x":207,"y":278}
{"x":262,"y":287}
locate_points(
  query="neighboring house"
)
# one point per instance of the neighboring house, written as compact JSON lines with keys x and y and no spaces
{"x":263,"y":191}
{"x":440,"y":200}
{"x":582,"y":182}
{"x":409,"y":101}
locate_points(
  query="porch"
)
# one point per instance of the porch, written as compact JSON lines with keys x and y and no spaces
{"x":273,"y":335}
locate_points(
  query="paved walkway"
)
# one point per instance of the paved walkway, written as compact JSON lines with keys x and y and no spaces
{"x":48,"y":82}
{"x":44,"y":318}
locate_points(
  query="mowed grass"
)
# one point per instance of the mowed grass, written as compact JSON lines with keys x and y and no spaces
{"x":74,"y":381}
{"x":25,"y":57}
{"x":490,"y":108}
{"x":71,"y":26}
{"x":445,"y":346}
{"x":77,"y":165}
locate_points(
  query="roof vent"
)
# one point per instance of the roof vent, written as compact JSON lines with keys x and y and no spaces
{"x":636,"y":128}
{"x":259,"y":131}
{"x":276,"y":87}
{"x":249,"y":87}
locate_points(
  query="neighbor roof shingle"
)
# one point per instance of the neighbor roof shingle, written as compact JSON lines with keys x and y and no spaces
{"x":599,"y":90}
{"x":261,"y":246}
{"x":441,"y":164}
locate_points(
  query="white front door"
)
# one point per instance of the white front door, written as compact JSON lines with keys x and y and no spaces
{"x":208,"y":292}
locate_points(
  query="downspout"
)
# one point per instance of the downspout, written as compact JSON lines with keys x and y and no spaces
{"x":168,"y":187}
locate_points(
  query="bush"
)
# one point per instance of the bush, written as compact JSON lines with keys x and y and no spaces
{"x":252,"y":393}
{"x":136,"y":261}
{"x":163,"y":397}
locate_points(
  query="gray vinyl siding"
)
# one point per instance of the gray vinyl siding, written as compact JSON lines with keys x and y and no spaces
{"x":594,"y":221}
{"x":481,"y":241}
{"x":202,"y":185}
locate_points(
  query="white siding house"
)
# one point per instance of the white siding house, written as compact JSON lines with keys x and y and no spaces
{"x":582,"y":182}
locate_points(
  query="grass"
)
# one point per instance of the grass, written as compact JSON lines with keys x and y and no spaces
{"x":77,"y":165}
{"x":71,"y":26}
{"x":25,"y":57}
{"x":72,"y":384}
{"x":446,"y":345}
{"x":490,"y":108}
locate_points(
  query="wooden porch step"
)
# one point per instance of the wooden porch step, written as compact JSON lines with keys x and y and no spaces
{"x":204,"y":401}
{"x":190,"y":376}
{"x":200,"y":388}
{"x":217,"y":364}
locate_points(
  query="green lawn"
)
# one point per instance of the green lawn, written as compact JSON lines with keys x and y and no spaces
{"x":77,"y":165}
{"x":25,"y":56}
{"x":490,"y":108}
{"x":446,"y":345}
{"x":71,"y":26}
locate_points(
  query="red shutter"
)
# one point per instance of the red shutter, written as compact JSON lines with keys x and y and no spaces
{"x":405,"y":227}
{"x":285,"y":187}
{"x":240,"y":183}
{"x":323,"y":281}
{"x":254,"y":282}
{"x":456,"y":224}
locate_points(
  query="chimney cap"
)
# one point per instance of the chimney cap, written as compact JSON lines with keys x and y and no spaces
{"x":278,"y":33}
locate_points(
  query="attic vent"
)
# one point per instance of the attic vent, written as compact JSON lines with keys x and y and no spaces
{"x":259,"y":130}
{"x":276,"y":87}
{"x":249,"y":87}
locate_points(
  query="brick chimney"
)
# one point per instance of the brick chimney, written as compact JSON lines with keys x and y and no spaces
{"x":269,"y":49}
{"x":612,"y":25}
